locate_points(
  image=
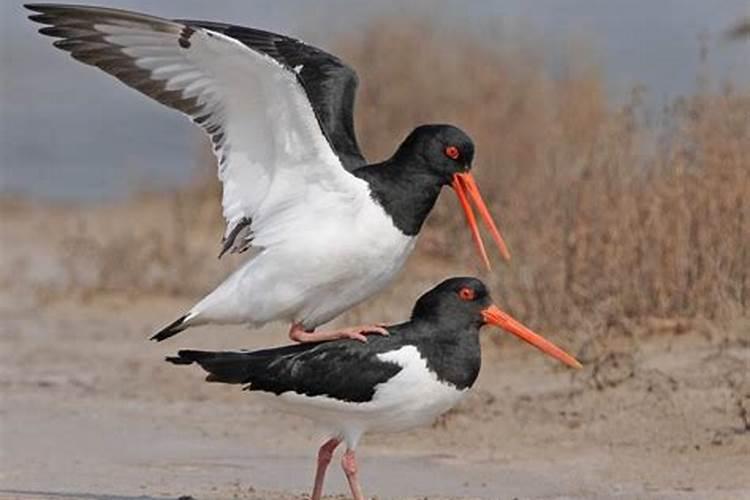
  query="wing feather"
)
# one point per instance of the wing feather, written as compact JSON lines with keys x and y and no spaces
{"x":266,"y":135}
{"x":330,"y":84}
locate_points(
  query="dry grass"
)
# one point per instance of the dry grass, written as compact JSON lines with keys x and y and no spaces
{"x":610,"y":218}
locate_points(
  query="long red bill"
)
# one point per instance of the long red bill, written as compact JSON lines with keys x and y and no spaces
{"x":460,"y":190}
{"x":464,"y":184}
{"x":494,"y":316}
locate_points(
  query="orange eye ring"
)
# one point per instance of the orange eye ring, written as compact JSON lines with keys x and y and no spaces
{"x":452,"y":152}
{"x":466,"y":293}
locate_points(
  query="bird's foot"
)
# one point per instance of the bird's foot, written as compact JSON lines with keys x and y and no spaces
{"x":349,"y":464}
{"x":325,"y":454}
{"x":298,"y":334}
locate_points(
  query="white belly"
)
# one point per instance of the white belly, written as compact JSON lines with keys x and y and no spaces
{"x":331,"y":264}
{"x":412,"y":398}
{"x":353,"y":268}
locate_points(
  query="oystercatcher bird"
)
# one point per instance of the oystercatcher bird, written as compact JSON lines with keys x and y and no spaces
{"x":328,"y":230}
{"x":391,"y":383}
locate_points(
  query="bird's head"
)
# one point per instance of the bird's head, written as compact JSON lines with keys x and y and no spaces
{"x":444,"y":150}
{"x":463,"y":303}
{"x":446,"y":153}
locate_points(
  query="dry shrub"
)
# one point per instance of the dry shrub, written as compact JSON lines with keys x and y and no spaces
{"x":608,"y":217}
{"x":163,"y":243}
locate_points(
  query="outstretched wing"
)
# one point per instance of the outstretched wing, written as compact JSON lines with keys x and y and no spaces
{"x":266,"y":135}
{"x":330,"y":84}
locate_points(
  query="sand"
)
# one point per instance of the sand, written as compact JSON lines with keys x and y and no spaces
{"x":90,"y":410}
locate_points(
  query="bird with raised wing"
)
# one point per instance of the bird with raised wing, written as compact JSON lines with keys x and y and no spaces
{"x":391,"y":383}
{"x":327,"y":229}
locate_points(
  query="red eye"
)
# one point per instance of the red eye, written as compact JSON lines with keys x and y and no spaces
{"x":466,"y":293}
{"x":452,"y":152}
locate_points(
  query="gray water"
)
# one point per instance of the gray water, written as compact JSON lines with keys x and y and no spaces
{"x":68,"y":131}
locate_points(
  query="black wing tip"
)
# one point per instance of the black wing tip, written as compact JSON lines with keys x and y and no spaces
{"x":224,"y":248}
{"x":188,"y":357}
{"x":37,"y":7}
{"x":49,"y":14}
{"x":177,"y":360}
{"x":47,"y":8}
{"x":222,"y":367}
{"x":170,"y":330}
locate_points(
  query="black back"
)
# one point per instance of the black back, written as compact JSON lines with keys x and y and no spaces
{"x":443,"y":328}
{"x":329,"y":83}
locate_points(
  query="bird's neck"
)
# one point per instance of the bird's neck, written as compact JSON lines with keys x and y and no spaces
{"x":406,"y":191}
{"x":453,"y":353}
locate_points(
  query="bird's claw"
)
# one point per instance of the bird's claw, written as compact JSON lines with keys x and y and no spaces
{"x":358,"y":333}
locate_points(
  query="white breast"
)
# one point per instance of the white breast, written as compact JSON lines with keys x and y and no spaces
{"x":360,"y":256}
{"x":414,"y":396}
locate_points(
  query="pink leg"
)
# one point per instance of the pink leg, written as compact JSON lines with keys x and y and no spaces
{"x":299,"y":334}
{"x":325,"y":454}
{"x":349,"y":464}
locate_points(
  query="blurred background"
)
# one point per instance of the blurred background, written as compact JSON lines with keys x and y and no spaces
{"x":613,"y":147}
{"x":661,"y":48}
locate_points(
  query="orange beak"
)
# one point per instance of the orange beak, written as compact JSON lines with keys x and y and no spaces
{"x":494,"y":316}
{"x":465,"y":186}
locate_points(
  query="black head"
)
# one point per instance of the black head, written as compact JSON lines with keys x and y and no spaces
{"x":456,"y":302}
{"x":443,"y":150}
{"x":431,"y":156}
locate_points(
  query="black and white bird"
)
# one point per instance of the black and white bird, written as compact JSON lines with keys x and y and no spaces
{"x":327,"y":229}
{"x":389,"y":384}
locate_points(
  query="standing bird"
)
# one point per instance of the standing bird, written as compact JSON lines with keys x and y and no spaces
{"x":328,"y":230}
{"x":407,"y":379}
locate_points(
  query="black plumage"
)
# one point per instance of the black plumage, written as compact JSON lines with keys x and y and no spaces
{"x":325,"y":369}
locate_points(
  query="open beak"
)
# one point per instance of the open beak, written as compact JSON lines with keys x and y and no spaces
{"x":466,"y":187}
{"x":494,"y":316}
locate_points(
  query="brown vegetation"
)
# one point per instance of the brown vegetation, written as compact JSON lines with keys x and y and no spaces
{"x":608,"y":216}
{"x":612,"y":214}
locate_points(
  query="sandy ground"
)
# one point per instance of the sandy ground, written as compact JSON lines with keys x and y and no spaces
{"x":89,"y":410}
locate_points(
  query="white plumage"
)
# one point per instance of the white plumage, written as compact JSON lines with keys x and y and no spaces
{"x":333,"y":263}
